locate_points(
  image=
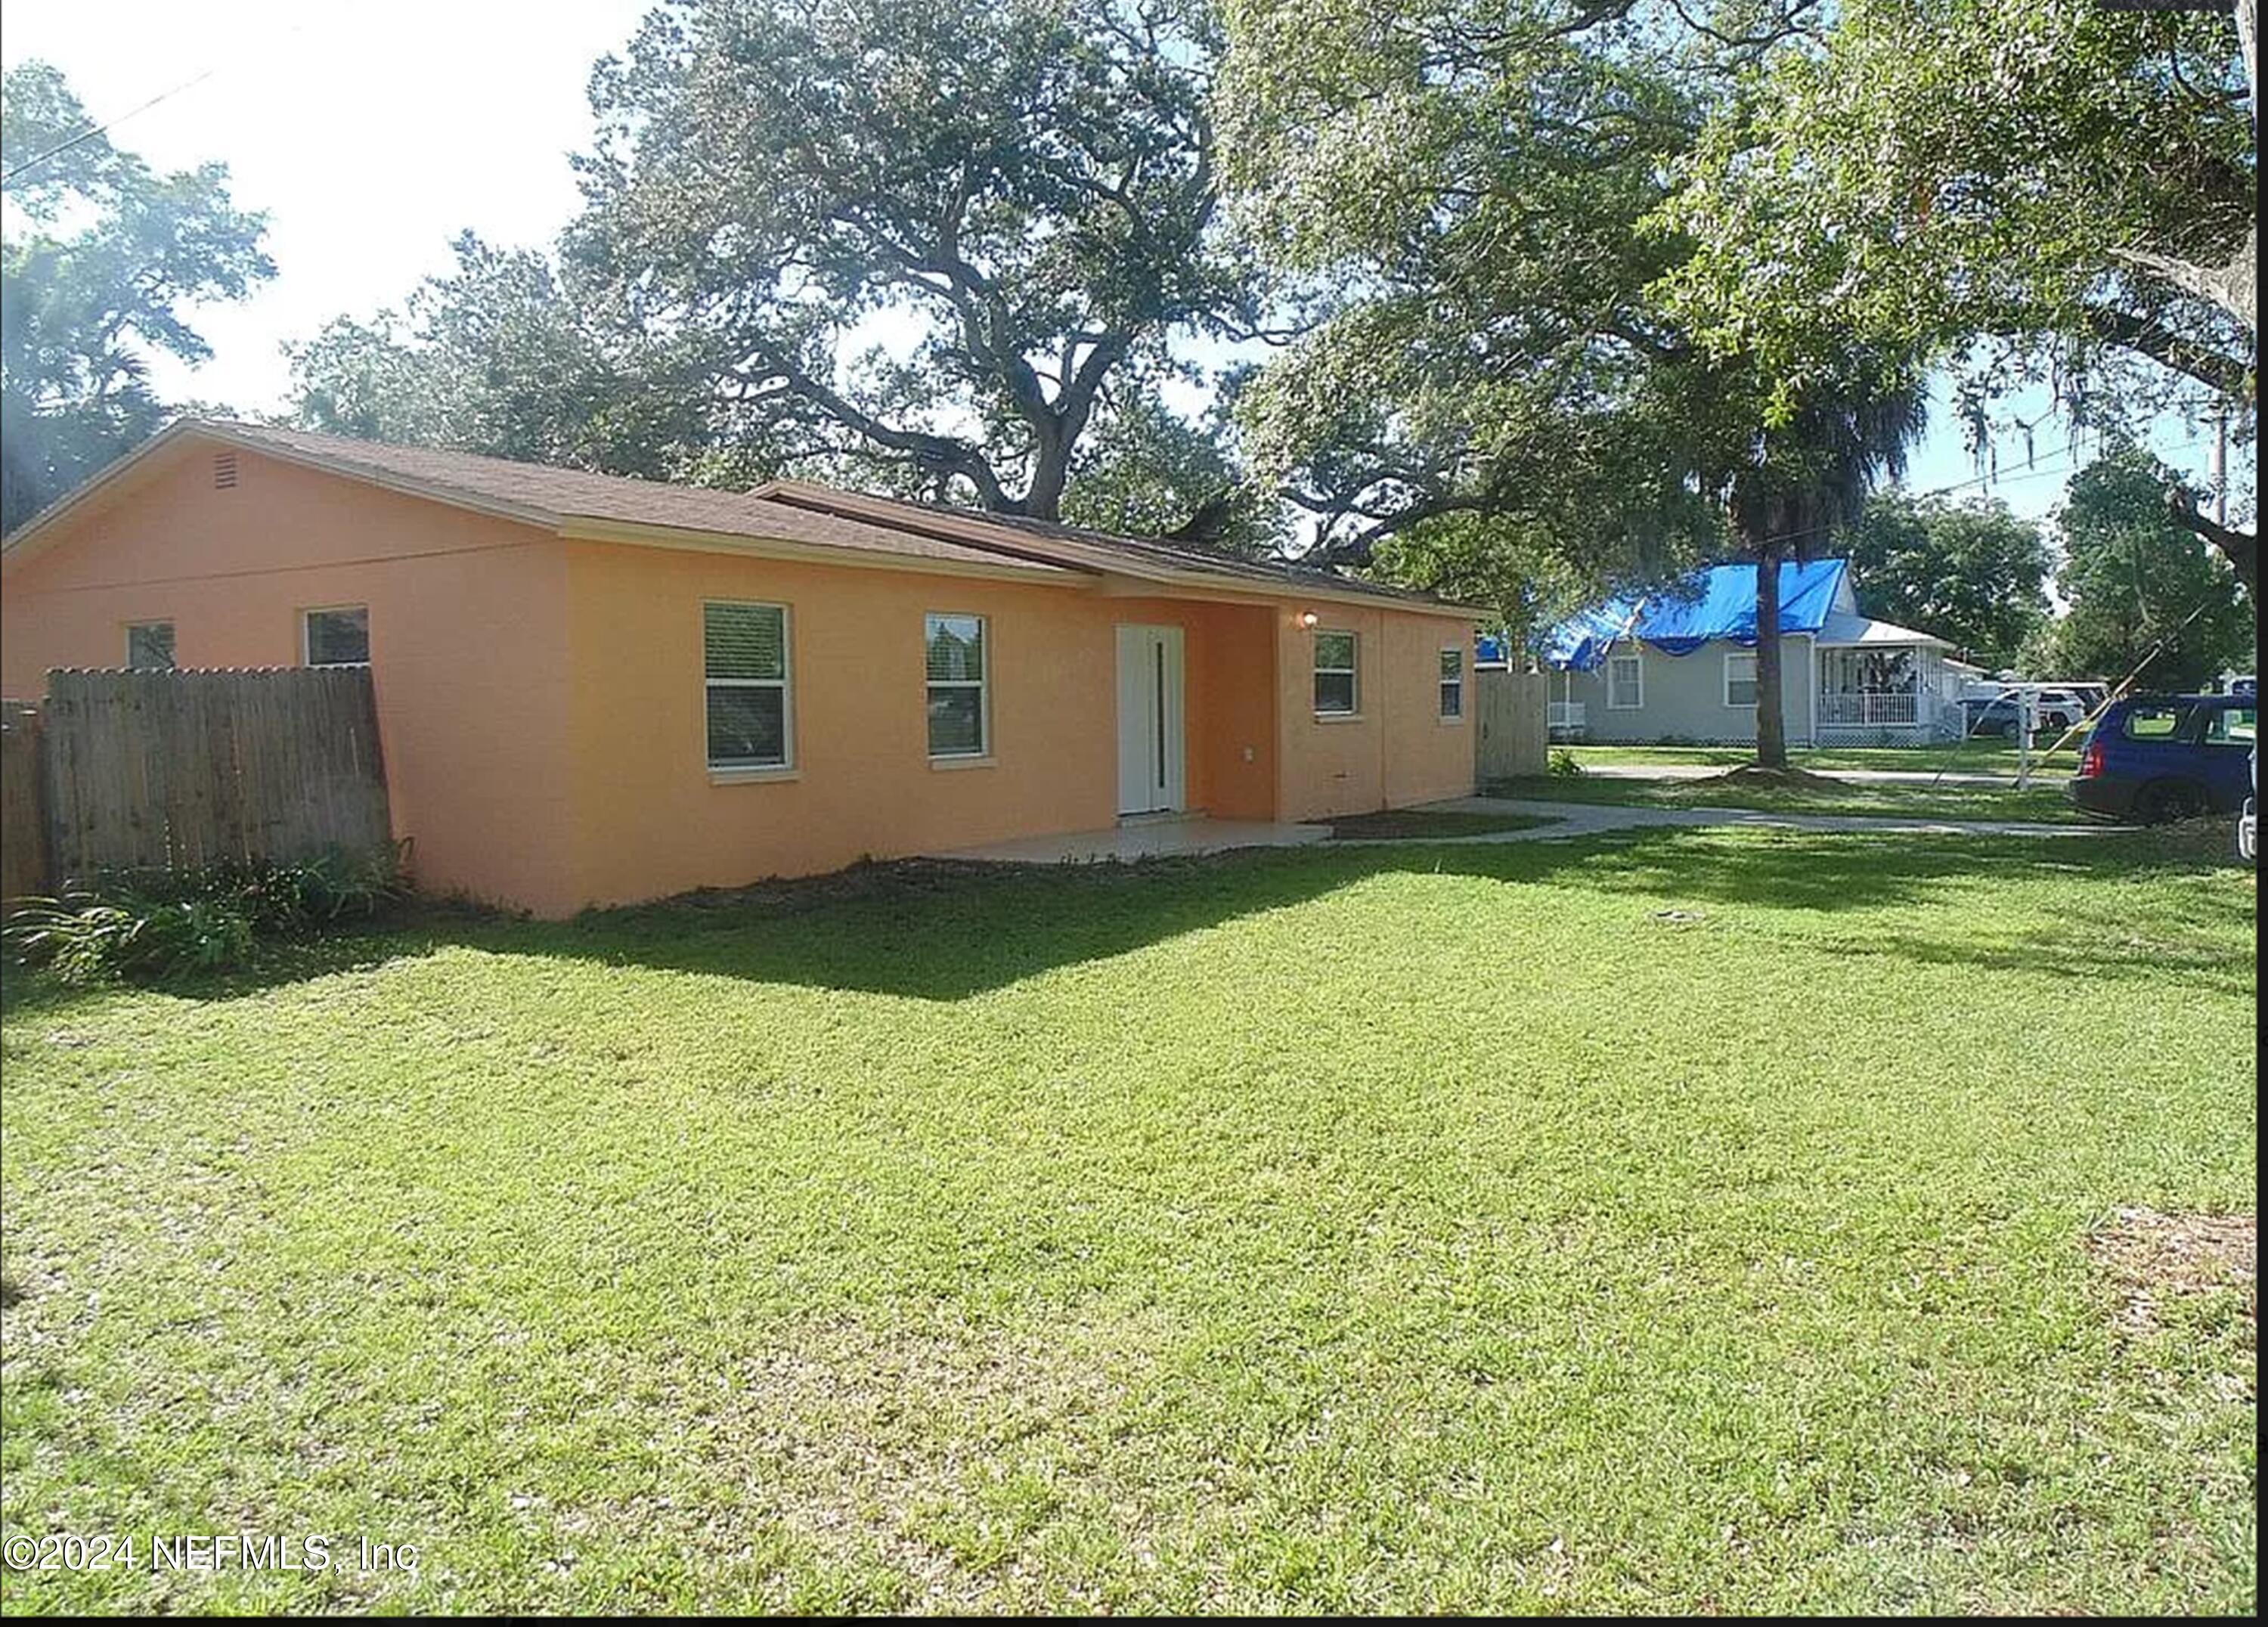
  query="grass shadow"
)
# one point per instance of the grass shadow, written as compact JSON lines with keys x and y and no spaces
{"x":946,"y":930}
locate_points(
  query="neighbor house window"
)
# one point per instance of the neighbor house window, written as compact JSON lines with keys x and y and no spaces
{"x":1625,"y":683}
{"x":149,"y":646}
{"x":1453,"y":683}
{"x":745,"y":662}
{"x":957,"y":712}
{"x":337,"y":638}
{"x":1740,"y":678}
{"x":1335,"y":681}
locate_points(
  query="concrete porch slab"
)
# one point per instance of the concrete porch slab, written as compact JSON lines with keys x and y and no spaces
{"x":1144,"y":839}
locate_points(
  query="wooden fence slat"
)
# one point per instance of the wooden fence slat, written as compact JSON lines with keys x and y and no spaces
{"x":1514,"y":710}
{"x":143,"y":769}
{"x":23,"y":863}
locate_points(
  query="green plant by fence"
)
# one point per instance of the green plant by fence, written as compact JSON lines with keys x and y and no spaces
{"x":178,"y":771}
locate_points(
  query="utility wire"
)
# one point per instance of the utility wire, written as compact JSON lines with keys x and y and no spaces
{"x":2035,"y":472}
{"x":93,"y":130}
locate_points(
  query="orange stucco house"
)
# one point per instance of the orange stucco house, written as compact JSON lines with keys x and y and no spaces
{"x":595,"y":690}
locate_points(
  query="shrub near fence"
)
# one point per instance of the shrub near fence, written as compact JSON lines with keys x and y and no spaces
{"x":181,"y":770}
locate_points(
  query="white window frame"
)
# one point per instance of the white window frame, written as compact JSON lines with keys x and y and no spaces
{"x":1731,"y":656}
{"x":784,"y":684}
{"x":1353,"y":669}
{"x":1446,"y":682}
{"x":1637,"y":661}
{"x":132,"y":628}
{"x":306,"y":632}
{"x":981,"y":683}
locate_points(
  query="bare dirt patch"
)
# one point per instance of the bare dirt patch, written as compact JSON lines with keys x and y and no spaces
{"x":2155,"y":1259}
{"x":1757,"y":775}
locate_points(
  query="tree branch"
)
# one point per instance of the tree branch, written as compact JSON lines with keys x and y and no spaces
{"x":2241,"y":549}
{"x":2226,"y":374}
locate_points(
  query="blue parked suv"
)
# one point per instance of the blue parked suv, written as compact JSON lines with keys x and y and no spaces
{"x":2155,"y":757}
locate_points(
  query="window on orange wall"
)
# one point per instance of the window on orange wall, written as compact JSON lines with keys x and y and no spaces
{"x":1336,"y":691}
{"x":1453,"y":684}
{"x":960,"y":721}
{"x":744,"y":672}
{"x":149,"y":646}
{"x":337,"y":637}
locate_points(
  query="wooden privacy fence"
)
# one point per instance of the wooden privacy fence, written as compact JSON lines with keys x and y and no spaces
{"x":182,"y":770}
{"x":23,"y":820}
{"x":1515,"y":724}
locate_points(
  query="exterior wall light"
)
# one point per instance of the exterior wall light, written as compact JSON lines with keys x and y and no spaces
{"x":1308,"y":618}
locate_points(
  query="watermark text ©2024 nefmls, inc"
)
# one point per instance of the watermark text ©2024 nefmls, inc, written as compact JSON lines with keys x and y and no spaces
{"x":207,"y":1552}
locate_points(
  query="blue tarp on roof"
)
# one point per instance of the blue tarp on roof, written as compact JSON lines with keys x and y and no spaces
{"x":1717,"y":601}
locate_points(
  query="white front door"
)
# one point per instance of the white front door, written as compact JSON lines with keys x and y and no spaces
{"x":1150,"y":750}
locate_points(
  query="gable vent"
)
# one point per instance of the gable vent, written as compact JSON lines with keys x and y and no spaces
{"x":224,"y":471}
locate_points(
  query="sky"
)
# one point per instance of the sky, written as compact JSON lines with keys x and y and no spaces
{"x":372,"y":137}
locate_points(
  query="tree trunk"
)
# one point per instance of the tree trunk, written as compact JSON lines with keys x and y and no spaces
{"x":1771,"y":725}
{"x":1042,"y":499}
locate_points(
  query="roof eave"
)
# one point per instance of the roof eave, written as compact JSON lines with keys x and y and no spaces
{"x":588,"y":528}
{"x":974,"y":532}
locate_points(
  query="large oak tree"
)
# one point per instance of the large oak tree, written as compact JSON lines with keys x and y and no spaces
{"x":102,"y":258}
{"x":955,"y":248}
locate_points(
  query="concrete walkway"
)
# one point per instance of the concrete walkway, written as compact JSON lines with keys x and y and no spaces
{"x":1887,"y":777}
{"x":1147,"y":838}
{"x":1585,"y":819}
{"x":1187,"y":837}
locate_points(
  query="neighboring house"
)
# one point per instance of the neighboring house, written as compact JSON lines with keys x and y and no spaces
{"x":597,"y":690}
{"x":1679,"y":664}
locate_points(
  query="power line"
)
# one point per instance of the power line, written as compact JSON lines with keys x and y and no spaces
{"x":2031,"y":473}
{"x":93,"y":130}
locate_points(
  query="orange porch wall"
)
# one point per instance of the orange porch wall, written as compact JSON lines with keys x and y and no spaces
{"x":1397,"y":750}
{"x":651,"y":819}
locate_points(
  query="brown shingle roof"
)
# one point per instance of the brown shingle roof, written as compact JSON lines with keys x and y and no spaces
{"x":785,"y":511}
{"x":1082,"y":548}
{"x":546,"y":494}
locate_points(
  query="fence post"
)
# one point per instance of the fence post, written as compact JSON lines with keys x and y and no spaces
{"x":24,"y":870}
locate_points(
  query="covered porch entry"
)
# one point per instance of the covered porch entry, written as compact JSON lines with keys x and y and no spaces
{"x":1193,"y":719}
{"x":1880,"y":684}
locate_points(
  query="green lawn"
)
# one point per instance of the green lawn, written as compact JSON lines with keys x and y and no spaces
{"x":1977,"y":756}
{"x":1890,"y":799}
{"x":1693,"y":1220}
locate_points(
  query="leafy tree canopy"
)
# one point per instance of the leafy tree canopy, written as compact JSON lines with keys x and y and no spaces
{"x":1458,"y":191}
{"x":2048,"y":189}
{"x":499,"y":357}
{"x":940,"y":247}
{"x":100,"y":258}
{"x":1971,"y":572}
{"x":2135,"y":579}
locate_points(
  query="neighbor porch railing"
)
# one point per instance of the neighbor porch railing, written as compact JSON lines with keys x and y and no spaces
{"x":1566,"y":717}
{"x":1870,"y":709}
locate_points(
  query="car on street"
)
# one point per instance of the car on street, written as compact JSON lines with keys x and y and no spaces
{"x":2158,"y":757}
{"x":2053,"y":710}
